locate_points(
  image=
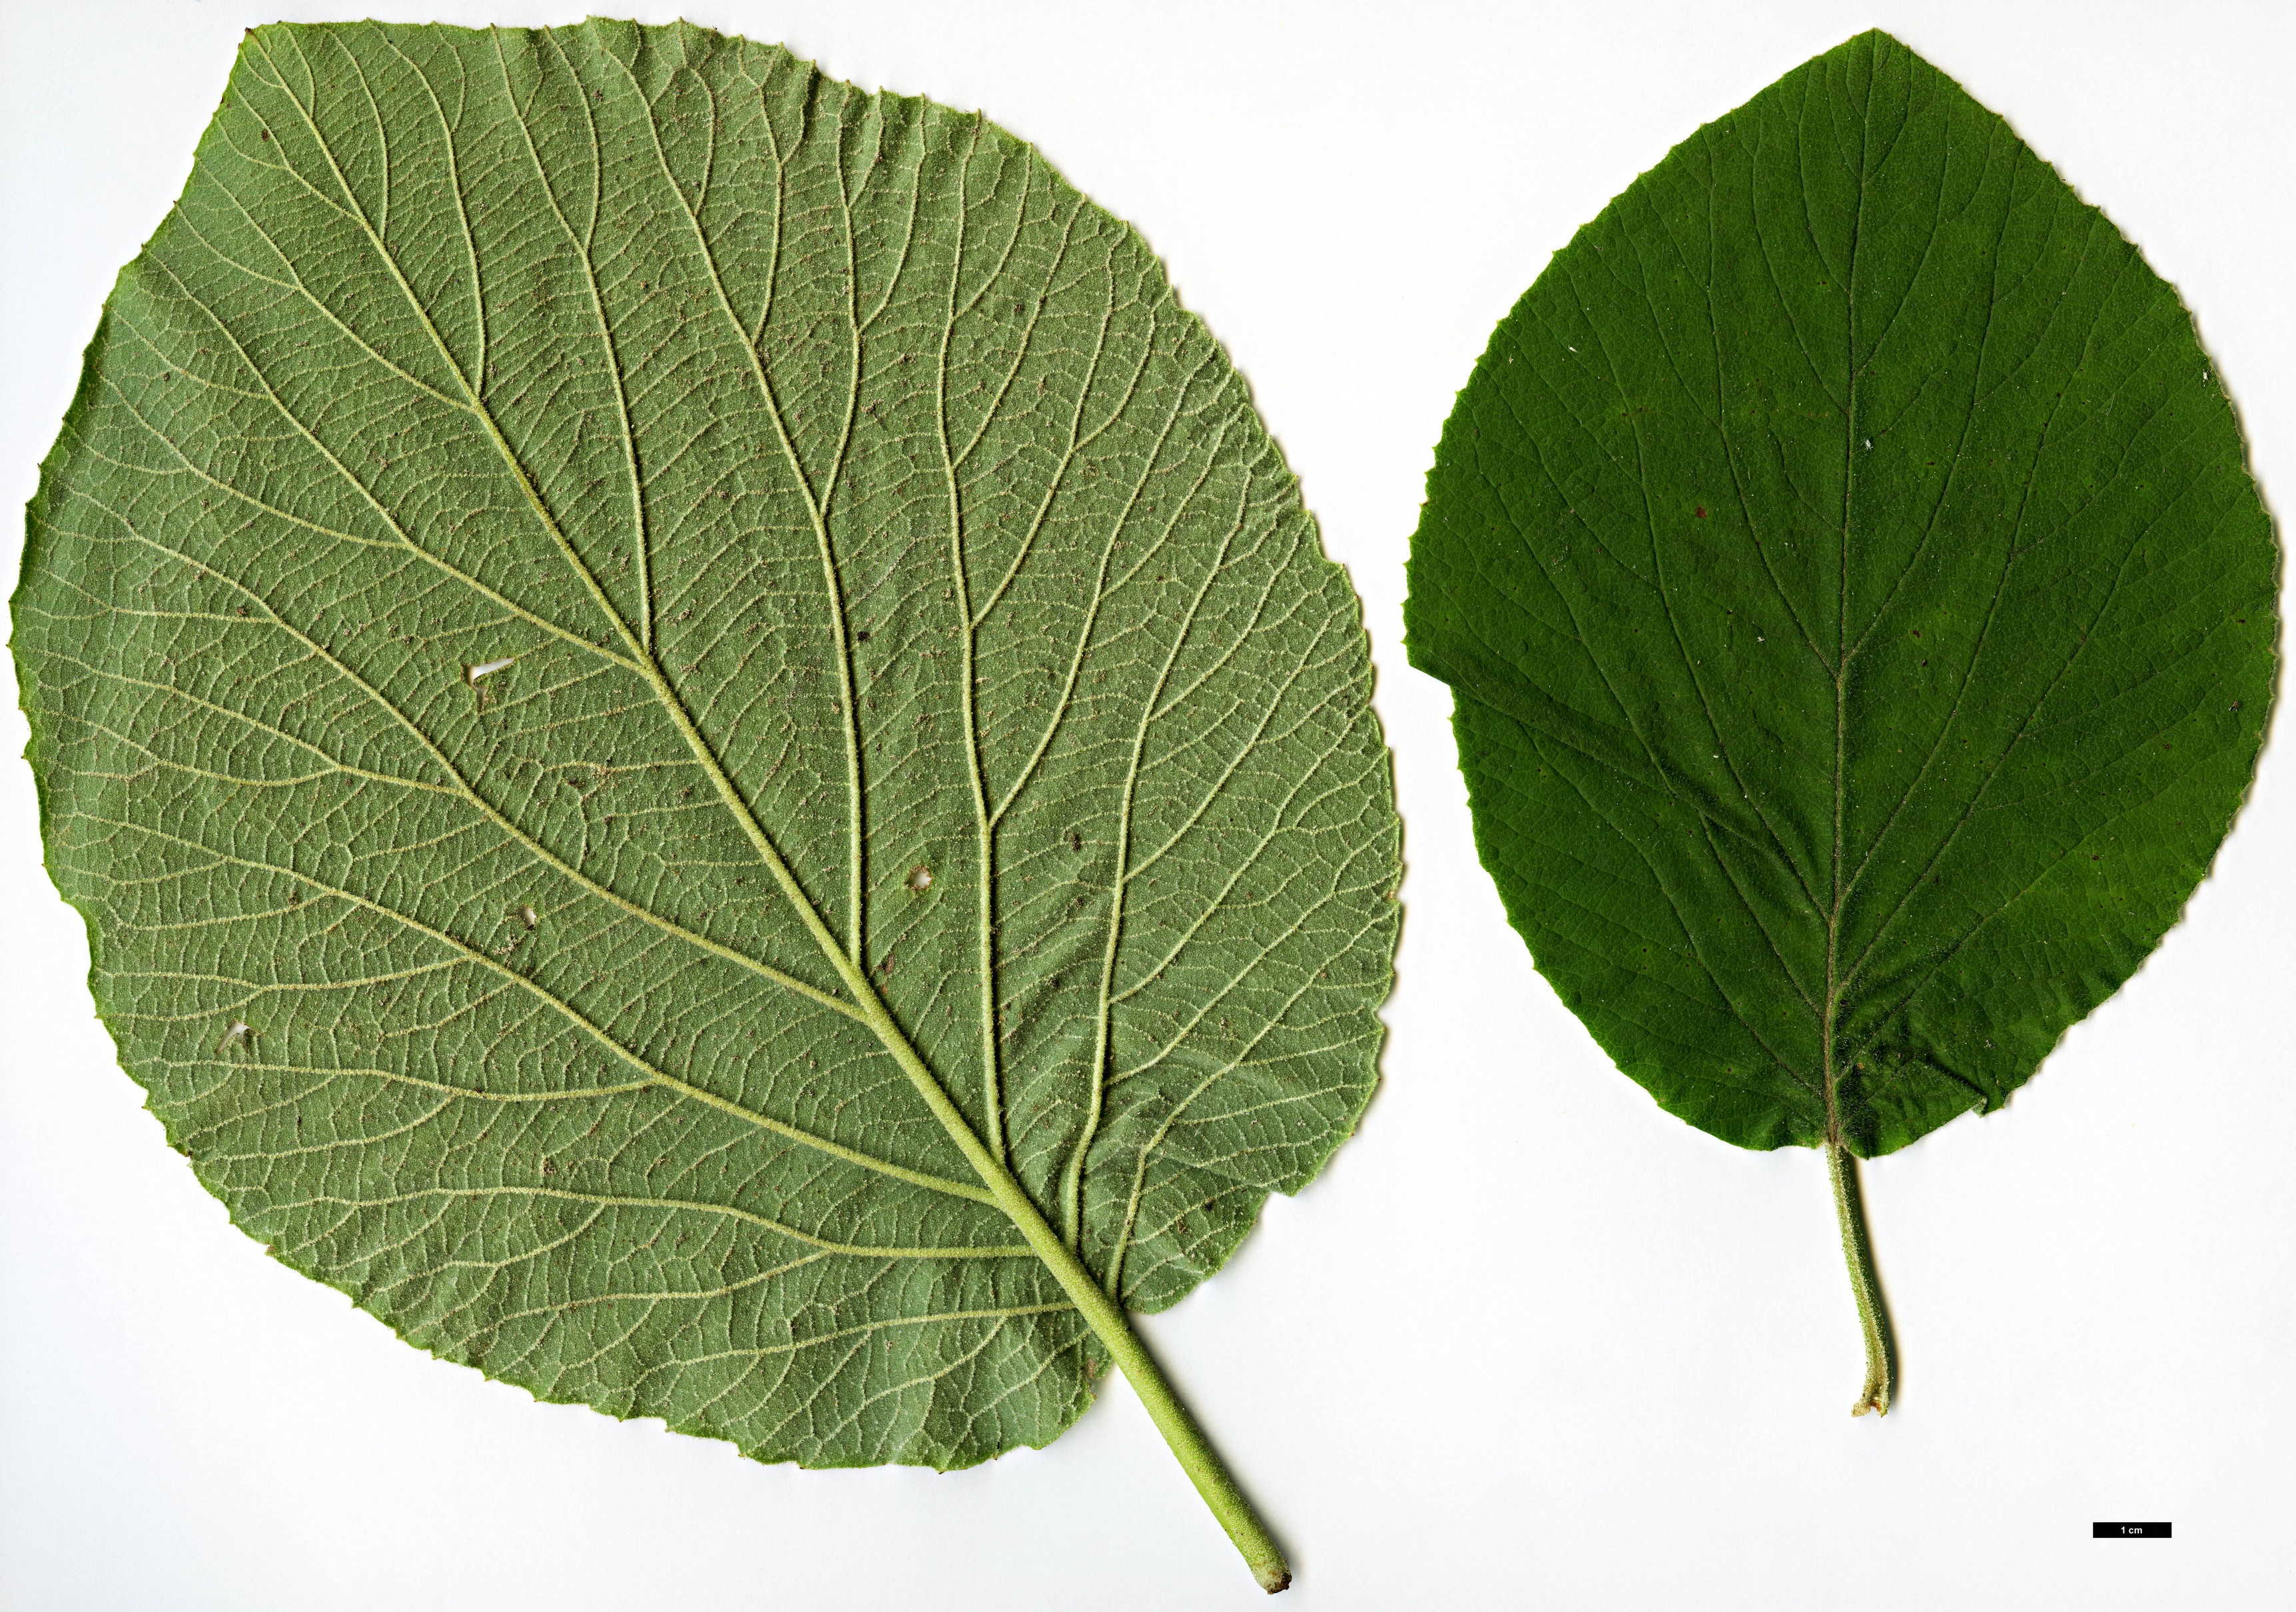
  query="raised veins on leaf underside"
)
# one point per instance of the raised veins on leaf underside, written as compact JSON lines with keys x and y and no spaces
{"x":1859,"y":616}
{"x":708,"y":756}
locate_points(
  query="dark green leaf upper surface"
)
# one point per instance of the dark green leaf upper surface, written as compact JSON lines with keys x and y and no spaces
{"x":1859,"y":613}
{"x":531,"y":481}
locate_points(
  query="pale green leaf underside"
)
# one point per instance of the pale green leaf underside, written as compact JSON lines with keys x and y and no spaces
{"x":530,"y":477}
{"x":1859,"y":611}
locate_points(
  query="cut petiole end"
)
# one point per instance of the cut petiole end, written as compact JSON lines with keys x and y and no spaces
{"x":1857,"y":1250}
{"x":1875,"y":1395}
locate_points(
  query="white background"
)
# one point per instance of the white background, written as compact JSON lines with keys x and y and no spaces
{"x":1530,"y":1341}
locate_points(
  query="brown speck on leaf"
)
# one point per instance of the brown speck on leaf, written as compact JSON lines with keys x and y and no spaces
{"x":920,"y":879}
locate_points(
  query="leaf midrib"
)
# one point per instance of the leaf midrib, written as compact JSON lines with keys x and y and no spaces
{"x":1840,"y":981}
{"x":1002,"y":1188}
{"x":1850,"y":429}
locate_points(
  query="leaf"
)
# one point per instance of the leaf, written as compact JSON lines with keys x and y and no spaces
{"x":708,"y":756}
{"x":1859,"y":612}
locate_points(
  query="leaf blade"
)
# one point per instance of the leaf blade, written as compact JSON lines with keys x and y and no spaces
{"x":584,"y":358}
{"x":1849,"y":384}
